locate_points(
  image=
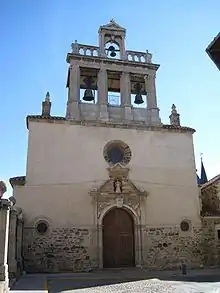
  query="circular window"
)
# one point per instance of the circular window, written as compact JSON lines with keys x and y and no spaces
{"x":42,"y":227}
{"x":184,"y":226}
{"x":117,"y":152}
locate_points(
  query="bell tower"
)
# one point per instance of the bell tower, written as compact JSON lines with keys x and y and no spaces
{"x":101,"y":74}
{"x":112,"y":40}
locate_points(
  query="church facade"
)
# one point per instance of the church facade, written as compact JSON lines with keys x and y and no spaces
{"x":110,"y":185}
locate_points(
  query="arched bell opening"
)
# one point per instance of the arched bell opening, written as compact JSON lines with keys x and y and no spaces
{"x":114,"y":92}
{"x":88,"y":97}
{"x":118,"y":239}
{"x":112,"y":50}
{"x":88,"y":85}
{"x":135,"y":98}
{"x":138,"y":92}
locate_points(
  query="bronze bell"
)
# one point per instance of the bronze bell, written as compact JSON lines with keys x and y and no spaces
{"x":113,"y":54}
{"x":138,"y":99}
{"x":112,"y":50}
{"x":88,"y":95}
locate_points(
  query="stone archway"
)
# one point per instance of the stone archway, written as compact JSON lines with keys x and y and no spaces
{"x":118,"y":239}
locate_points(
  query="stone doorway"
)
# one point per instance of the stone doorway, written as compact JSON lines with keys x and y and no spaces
{"x":118,"y":239}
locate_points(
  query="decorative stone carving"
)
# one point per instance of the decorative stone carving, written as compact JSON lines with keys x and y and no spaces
{"x":118,"y":186}
{"x":118,"y":191}
{"x":46,"y":106}
{"x":119,"y":202}
{"x":174,"y":117}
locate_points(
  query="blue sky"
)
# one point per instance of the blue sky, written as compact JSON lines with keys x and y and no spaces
{"x":36,"y":36}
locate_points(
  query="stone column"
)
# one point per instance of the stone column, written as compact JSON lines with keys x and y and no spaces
{"x":4,"y":232}
{"x":12,"y":243}
{"x":151,"y":90}
{"x":125,"y":89}
{"x":74,"y":93}
{"x":152,"y":109}
{"x":102,"y":83}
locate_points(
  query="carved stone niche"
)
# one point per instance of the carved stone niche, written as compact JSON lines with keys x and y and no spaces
{"x":118,"y":191}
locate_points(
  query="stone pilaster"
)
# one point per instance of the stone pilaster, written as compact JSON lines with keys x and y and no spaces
{"x":103,"y":94}
{"x":125,"y":87}
{"x":152,"y":109}
{"x":4,"y":232}
{"x":72,"y":111}
{"x":122,"y":48}
{"x":12,"y":263}
{"x":101,"y":45}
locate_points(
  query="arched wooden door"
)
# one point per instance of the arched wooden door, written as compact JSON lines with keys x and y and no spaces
{"x":118,"y":239}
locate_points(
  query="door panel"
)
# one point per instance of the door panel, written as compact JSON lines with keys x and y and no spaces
{"x":118,"y":239}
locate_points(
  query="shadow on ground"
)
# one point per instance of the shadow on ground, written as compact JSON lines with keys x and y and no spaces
{"x":68,"y":282}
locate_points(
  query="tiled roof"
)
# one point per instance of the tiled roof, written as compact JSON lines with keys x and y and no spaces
{"x":211,"y":182}
{"x":58,"y":118}
{"x":19,"y":180}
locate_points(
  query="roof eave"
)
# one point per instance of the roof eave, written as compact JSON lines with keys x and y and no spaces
{"x":209,"y":50}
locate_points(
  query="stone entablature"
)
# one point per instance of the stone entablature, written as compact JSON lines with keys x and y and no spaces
{"x":118,"y":65}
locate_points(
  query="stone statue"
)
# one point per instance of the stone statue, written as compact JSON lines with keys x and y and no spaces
{"x":3,"y":188}
{"x":117,"y":186}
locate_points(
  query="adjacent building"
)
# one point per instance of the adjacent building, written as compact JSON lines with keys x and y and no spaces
{"x":213,"y":50}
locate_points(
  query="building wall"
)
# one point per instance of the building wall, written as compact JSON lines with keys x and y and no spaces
{"x":66,"y":161}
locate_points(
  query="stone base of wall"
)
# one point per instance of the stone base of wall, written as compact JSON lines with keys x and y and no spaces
{"x":168,"y":248}
{"x":75,"y":249}
{"x":60,"y":250}
{"x":4,"y":287}
{"x":211,"y":244}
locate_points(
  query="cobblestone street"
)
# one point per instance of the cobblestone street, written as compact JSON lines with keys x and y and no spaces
{"x":121,"y":281}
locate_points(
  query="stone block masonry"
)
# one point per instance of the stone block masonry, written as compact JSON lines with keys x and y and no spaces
{"x":168,"y":247}
{"x":211,"y":243}
{"x":71,"y":250}
{"x":60,"y":250}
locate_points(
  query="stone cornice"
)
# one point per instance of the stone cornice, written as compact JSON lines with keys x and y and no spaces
{"x":100,"y":60}
{"x":19,"y":180}
{"x":137,"y":125}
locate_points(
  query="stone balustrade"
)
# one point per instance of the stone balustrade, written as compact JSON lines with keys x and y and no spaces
{"x":136,"y":56}
{"x":85,"y":50}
